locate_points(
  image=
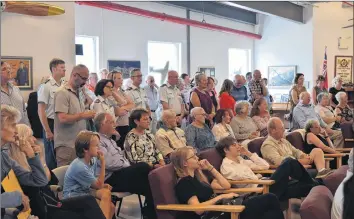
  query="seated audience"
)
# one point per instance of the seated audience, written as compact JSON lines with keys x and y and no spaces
{"x":122,"y":176}
{"x":276,"y":148}
{"x":304,"y":111}
{"x":318,"y":89}
{"x":193,"y":188}
{"x":225,"y":99}
{"x":343,"y":111}
{"x":336,"y":87}
{"x":80,"y":178}
{"x":325,"y":111}
{"x":169,"y":137}
{"x":239,"y":90}
{"x":234,"y":167}
{"x":243,"y":126}
{"x":140,"y":145}
{"x":222,"y":128}
{"x":313,"y":138}
{"x":198,"y":134}
{"x":260,"y":115}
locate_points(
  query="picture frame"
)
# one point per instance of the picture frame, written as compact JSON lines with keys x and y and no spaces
{"x":124,"y":66}
{"x":343,"y":66}
{"x":21,"y":71}
{"x":281,"y":77}
{"x":207,"y":70}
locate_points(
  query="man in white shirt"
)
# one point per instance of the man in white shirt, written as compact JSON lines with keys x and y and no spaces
{"x":338,"y":200}
{"x":234,"y":167}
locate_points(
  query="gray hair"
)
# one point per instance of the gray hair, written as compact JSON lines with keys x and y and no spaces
{"x":97,"y":121}
{"x":335,"y":80}
{"x":198,"y":78}
{"x":321,"y":95}
{"x":166,"y":114}
{"x":271,"y":123}
{"x":339,"y":95}
{"x":194,"y":111}
{"x":309,"y":124}
{"x":9,"y":113}
{"x":240,"y":106}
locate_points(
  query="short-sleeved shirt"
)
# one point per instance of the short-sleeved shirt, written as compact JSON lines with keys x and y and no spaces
{"x":122,"y":120}
{"x":79,"y":178}
{"x":138,"y":96}
{"x":152,"y":97}
{"x":255,"y":88}
{"x":334,"y":91}
{"x":102,"y":105}
{"x":67,"y":101}
{"x":186,"y":188}
{"x":239,"y":93}
{"x":172,"y":96}
{"x":46,"y":95}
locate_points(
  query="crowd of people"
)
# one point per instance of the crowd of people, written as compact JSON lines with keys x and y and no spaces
{"x":112,"y":137}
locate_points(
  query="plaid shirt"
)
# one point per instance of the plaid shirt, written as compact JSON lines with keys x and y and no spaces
{"x":167,"y":140}
{"x":255,"y":88}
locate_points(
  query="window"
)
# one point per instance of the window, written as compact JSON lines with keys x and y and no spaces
{"x":239,"y":62}
{"x":163,"y":56}
{"x":90,"y":52}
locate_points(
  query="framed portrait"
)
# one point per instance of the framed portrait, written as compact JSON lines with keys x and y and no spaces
{"x":123,"y":66}
{"x":343,"y":66}
{"x":208,"y":71}
{"x":281,"y":77}
{"x":21,"y":71}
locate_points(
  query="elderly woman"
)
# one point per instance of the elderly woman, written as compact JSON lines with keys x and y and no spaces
{"x":226,"y":100}
{"x":222,"y":128}
{"x":319,"y":88}
{"x":343,"y":112}
{"x":336,"y":87}
{"x":260,"y":115}
{"x":198,"y":134}
{"x":243,"y":126}
{"x":325,"y":111}
{"x":140,"y":144}
{"x":201,"y":98}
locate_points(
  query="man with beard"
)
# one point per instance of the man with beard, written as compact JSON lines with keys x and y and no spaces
{"x":70,"y":115}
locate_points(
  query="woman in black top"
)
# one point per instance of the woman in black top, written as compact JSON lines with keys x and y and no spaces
{"x":337,"y":87}
{"x":211,"y":90}
{"x":194,"y":188}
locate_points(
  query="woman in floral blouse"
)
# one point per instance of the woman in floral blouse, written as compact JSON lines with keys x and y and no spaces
{"x":260,"y":115}
{"x":140,"y":143}
{"x":222,"y":128}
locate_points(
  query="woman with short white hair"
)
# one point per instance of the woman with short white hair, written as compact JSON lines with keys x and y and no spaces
{"x":325,"y":111}
{"x":343,"y":112}
{"x":336,"y":87}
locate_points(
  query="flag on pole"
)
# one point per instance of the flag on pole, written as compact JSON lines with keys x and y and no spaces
{"x":324,"y":69}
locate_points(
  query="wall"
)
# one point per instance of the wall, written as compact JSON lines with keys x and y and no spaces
{"x":42,"y":38}
{"x":124,"y":37}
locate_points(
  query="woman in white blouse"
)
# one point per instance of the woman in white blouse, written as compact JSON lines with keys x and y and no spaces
{"x":325,"y":111}
{"x":222,"y":128}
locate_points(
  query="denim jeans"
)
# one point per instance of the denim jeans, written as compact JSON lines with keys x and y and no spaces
{"x":49,"y":148}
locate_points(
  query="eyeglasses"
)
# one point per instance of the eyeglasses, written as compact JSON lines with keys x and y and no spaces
{"x":194,"y":156}
{"x":82,"y":78}
{"x":109,"y":87}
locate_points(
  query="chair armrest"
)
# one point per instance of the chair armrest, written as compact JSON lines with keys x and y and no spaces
{"x":221,"y":208}
{"x":334,"y":155}
{"x":239,"y":190}
{"x":329,"y":158}
{"x":264,"y":171}
{"x":343,"y":149}
{"x":260,"y":182}
{"x":271,"y":166}
{"x":56,"y":188}
{"x":349,"y":139}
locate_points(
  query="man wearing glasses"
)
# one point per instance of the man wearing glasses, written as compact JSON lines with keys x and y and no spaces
{"x":70,"y":115}
{"x":136,"y":93}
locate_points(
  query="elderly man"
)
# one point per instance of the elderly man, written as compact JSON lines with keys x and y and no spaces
{"x":239,"y":90}
{"x":304,"y":111}
{"x":257,"y":87}
{"x":169,"y":137}
{"x":153,"y":100}
{"x":137,"y":93}
{"x":276,"y":148}
{"x":122,"y":176}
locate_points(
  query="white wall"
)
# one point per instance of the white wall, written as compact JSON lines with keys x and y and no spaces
{"x":42,"y":38}
{"x":124,"y":36}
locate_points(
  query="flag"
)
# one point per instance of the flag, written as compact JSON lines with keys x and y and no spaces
{"x":324,"y":69}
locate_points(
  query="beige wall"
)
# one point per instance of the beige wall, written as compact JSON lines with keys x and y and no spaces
{"x":42,"y":38}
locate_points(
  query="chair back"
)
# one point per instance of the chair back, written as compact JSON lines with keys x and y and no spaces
{"x":348,"y":133}
{"x":213,"y":156}
{"x":162,"y":182}
{"x":295,"y":138}
{"x":255,"y":145}
{"x":60,"y":174}
{"x":317,"y":204}
{"x":332,"y":181}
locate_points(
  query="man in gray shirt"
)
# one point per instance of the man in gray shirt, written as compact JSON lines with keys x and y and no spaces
{"x":153,"y":101}
{"x":70,"y":115}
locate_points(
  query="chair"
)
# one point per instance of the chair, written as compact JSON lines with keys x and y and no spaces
{"x":332,"y":181}
{"x":348,"y":134}
{"x":318,"y":204}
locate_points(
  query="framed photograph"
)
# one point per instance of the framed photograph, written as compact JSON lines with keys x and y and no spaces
{"x":21,"y":71}
{"x":343,"y":66}
{"x":208,"y":71}
{"x":281,"y":77}
{"x":123,"y":66}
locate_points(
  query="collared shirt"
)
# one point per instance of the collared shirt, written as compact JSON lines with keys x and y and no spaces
{"x":152,"y":97}
{"x":68,"y":101}
{"x":239,"y":93}
{"x":324,"y":112}
{"x":303,"y":113}
{"x":138,"y":95}
{"x":101,"y":105}
{"x":15,"y":99}
{"x":167,"y":140}
{"x":113,"y":155}
{"x":338,"y":199}
{"x":243,"y":169}
{"x":220,"y":131}
{"x":46,"y":95}
{"x":172,"y":96}
{"x":275,"y":151}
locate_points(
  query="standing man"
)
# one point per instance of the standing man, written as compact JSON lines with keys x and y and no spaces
{"x":153,"y":101}
{"x":257,"y":86}
{"x":22,"y":75}
{"x":46,"y":108}
{"x":136,"y":93}
{"x":170,"y":96}
{"x":239,"y":90}
{"x":70,"y":115}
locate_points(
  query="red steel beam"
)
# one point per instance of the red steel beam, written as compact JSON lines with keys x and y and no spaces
{"x":166,"y":17}
{"x":348,"y":3}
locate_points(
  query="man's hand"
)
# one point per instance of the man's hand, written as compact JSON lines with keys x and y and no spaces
{"x":245,"y":152}
{"x":107,"y":186}
{"x":49,"y":135}
{"x":89,"y":114}
{"x":25,"y":203}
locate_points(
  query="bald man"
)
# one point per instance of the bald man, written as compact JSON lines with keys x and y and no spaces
{"x":70,"y":114}
{"x":305,"y":111}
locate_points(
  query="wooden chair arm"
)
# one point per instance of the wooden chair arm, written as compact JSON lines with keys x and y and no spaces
{"x":343,"y":149}
{"x":239,"y":190}
{"x":260,"y":182}
{"x":264,"y":171}
{"x":349,"y":139}
{"x":221,"y":208}
{"x":271,"y":166}
{"x":329,"y":158}
{"x":334,"y":155}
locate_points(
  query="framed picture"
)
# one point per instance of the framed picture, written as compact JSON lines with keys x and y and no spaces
{"x":123,"y":66}
{"x":281,"y":77}
{"x":21,"y":71}
{"x":208,"y":71}
{"x":343,"y":66}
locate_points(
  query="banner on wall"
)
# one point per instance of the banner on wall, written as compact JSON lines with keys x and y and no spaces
{"x":343,"y":66}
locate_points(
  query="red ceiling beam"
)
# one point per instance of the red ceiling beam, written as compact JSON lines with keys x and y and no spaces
{"x":166,"y":17}
{"x":348,"y":3}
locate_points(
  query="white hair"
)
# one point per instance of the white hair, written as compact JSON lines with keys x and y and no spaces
{"x":194,"y":111}
{"x":335,"y":80}
{"x":9,"y":113}
{"x":166,"y":114}
{"x":339,"y":95}
{"x":240,"y":106}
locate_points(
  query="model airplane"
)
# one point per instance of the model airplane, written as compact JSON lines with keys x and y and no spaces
{"x":31,"y":8}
